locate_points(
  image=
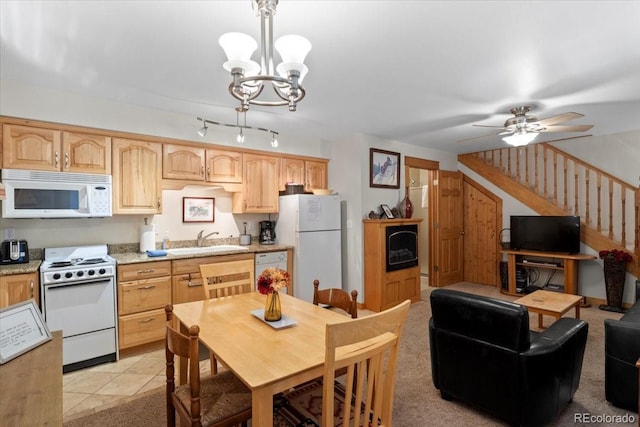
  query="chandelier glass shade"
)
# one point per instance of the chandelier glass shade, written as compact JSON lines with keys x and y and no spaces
{"x":250,"y":78}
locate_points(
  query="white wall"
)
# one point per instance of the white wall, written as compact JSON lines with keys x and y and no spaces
{"x":617,"y":154}
{"x":349,"y":176}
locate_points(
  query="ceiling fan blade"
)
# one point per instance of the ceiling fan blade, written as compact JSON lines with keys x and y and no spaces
{"x":559,"y":118}
{"x":574,"y":128}
{"x":489,"y":126}
{"x":477,"y":137}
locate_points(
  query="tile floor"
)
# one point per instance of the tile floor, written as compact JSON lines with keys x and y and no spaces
{"x":110,"y":384}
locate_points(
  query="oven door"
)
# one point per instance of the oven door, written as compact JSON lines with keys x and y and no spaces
{"x":80,"y":307}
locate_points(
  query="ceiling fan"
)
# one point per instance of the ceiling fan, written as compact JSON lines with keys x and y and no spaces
{"x":524,"y":128}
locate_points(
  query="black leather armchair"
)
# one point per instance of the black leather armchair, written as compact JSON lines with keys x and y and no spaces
{"x":483,"y":354}
{"x":621,"y":351}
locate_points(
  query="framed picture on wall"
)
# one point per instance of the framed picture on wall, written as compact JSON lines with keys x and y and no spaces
{"x":197,"y":209}
{"x":384,"y":169}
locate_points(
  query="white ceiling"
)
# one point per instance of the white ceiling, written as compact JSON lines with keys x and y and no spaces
{"x":420,"y":72}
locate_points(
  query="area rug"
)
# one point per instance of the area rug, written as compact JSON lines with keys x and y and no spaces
{"x":300,"y":407}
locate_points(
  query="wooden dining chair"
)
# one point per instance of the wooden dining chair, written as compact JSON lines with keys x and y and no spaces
{"x":220,"y":400}
{"x":368,"y":347}
{"x":226,"y":279}
{"x":336,"y":297}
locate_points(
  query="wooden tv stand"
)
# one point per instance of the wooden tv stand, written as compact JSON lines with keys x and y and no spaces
{"x":566,"y":263}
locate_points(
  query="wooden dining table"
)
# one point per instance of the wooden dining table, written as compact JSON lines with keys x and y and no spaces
{"x":267,"y":359}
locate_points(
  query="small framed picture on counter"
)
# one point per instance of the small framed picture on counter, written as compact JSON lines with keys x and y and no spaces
{"x":387,"y":211}
{"x":197,"y":209}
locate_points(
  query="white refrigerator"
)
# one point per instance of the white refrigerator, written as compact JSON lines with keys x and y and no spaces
{"x":311,"y":224}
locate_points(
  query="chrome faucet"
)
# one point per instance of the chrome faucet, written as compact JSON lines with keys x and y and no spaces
{"x":200,"y":239}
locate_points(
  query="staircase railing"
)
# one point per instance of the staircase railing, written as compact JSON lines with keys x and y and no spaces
{"x":606,"y":204}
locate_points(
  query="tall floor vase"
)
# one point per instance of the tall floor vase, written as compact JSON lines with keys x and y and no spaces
{"x":614,"y":276}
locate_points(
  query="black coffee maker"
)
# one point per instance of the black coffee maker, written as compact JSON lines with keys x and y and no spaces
{"x":267,"y":232}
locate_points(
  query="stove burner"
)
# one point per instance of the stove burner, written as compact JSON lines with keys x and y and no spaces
{"x":60,"y":264}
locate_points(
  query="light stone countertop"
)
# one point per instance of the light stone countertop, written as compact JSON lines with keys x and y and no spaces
{"x":137,"y":257}
{"x":27,"y":267}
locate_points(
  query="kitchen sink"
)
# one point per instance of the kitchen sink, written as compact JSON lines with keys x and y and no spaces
{"x":207,"y":250}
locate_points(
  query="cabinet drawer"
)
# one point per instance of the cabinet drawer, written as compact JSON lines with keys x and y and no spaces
{"x":141,"y":328}
{"x":143,"y":270}
{"x":192,"y":265}
{"x":187,"y":288}
{"x":142,"y":295}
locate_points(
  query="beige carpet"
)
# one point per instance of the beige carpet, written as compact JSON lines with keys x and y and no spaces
{"x":417,"y":402}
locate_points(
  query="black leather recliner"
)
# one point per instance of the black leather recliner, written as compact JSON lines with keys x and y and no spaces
{"x":621,"y":351}
{"x":483,"y":354}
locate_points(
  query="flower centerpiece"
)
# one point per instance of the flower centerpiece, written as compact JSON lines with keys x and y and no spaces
{"x":615,"y":268}
{"x":269,"y":283}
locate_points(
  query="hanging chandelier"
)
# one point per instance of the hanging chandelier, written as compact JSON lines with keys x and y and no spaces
{"x":250,"y":78}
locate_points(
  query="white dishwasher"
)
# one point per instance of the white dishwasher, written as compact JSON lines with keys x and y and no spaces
{"x":265,"y":260}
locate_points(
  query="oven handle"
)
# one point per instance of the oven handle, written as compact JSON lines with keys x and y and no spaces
{"x":69,"y":285}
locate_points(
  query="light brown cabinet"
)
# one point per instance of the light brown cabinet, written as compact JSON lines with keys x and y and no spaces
{"x":16,"y":288}
{"x":384,"y":289}
{"x":259,"y":185}
{"x":182,"y":162}
{"x":191,"y":163}
{"x":26,"y":147}
{"x":312,"y":174}
{"x":143,"y":291}
{"x":137,"y":169}
{"x":187,"y":281}
{"x":223,"y":166}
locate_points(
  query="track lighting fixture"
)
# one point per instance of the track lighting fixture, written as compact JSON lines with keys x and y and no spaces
{"x":203,"y":131}
{"x":241,"y":135}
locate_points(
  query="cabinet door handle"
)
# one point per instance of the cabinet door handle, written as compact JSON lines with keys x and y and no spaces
{"x":158,"y":203}
{"x":209,"y":172}
{"x":56,"y":160}
{"x":66,"y":160}
{"x":202,"y":170}
{"x":147,"y":287}
{"x":31,"y":288}
{"x":193,"y":284}
{"x":149,"y":270}
{"x":146,"y":320}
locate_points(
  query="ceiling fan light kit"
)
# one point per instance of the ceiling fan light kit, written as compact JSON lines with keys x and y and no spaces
{"x":249,"y":77}
{"x":520,"y":139}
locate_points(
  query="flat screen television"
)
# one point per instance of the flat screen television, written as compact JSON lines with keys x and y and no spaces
{"x":546,"y":233}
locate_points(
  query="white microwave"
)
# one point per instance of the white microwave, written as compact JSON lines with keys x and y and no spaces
{"x":41,"y":194}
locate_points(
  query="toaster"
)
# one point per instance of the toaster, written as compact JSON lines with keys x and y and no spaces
{"x":14,"y":252}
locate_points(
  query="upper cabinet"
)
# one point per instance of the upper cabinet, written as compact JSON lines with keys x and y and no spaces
{"x":137,"y":169}
{"x":26,"y":147}
{"x":315,"y":174}
{"x":312,"y":174}
{"x":182,"y":162}
{"x":224,"y":166}
{"x":259,"y":185}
